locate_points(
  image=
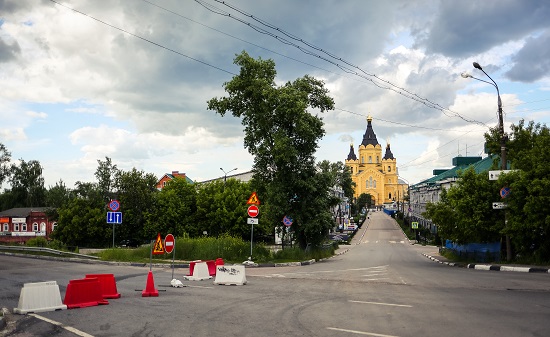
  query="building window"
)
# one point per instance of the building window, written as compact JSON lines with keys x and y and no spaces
{"x":389,"y":196}
{"x":389,"y":168}
{"x":6,"y":227}
{"x":164,"y":183}
{"x":54,"y":225}
{"x":370,"y":159}
{"x":24,"y":227}
{"x":370,"y":182}
{"x":389,"y":181}
{"x":362,"y":160}
{"x":374,"y":184}
{"x":377,"y":159}
{"x":35,"y":227}
{"x":16,"y":227}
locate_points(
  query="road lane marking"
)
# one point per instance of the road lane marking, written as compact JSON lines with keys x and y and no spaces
{"x":361,"y":332}
{"x":381,"y":303}
{"x":66,"y":327}
{"x":376,"y":279}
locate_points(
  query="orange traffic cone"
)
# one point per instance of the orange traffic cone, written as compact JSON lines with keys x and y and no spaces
{"x":150,"y":290}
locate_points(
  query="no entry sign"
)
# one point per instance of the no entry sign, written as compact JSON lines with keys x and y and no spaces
{"x":253,"y":211}
{"x":169,"y":243}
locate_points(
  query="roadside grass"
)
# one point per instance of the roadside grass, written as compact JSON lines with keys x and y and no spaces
{"x":230,"y":249}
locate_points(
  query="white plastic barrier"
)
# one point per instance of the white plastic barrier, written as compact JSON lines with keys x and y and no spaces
{"x":200,"y":272}
{"x":39,"y":297}
{"x":230,"y":275}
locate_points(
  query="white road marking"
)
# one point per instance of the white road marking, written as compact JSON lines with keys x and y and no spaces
{"x":376,"y":279}
{"x":380,"y":303}
{"x":361,"y":332}
{"x":66,"y":327}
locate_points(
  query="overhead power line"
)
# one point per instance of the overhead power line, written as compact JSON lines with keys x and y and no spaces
{"x":142,"y":38}
{"x":339,"y":62}
{"x":218,"y":68}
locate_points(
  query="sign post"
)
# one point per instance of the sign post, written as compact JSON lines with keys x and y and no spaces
{"x":114,"y":217}
{"x":170,"y":247}
{"x":253,"y":212}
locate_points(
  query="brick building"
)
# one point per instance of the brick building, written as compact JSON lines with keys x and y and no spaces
{"x":18,"y":225}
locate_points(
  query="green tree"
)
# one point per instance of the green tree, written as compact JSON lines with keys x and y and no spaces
{"x":221,"y":209}
{"x":173,"y":210}
{"x":81,"y":223}
{"x":364,"y":201}
{"x":105,"y":174}
{"x":58,"y":195}
{"x":82,"y":219}
{"x":135,"y":190}
{"x":464,"y":212}
{"x":282,"y":136}
{"x":529,"y":201}
{"x":27,"y":184}
{"x":5,"y":158}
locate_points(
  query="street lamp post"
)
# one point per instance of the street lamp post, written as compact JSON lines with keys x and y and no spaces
{"x":226,"y":173}
{"x":503,"y":163}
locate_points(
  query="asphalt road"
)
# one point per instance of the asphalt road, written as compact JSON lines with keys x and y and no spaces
{"x":382,"y":286}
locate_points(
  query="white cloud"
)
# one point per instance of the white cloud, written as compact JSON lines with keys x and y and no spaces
{"x":145,"y":106}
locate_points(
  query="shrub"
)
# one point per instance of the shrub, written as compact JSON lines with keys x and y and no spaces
{"x":37,"y":242}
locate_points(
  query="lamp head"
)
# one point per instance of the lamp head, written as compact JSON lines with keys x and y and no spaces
{"x":465,"y":75}
{"x":477,"y":66}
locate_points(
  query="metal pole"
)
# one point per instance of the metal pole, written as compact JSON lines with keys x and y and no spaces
{"x":503,"y":164}
{"x":113,"y":235}
{"x":173,"y":255}
{"x":252,"y":239}
{"x":151,"y":257}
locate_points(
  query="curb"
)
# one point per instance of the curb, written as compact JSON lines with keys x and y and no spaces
{"x":156,"y":265}
{"x":509,"y":268}
{"x":451,"y":264}
{"x":491,"y":267}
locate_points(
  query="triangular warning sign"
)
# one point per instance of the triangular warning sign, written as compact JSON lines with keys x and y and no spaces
{"x":253,"y":200}
{"x":159,"y":247}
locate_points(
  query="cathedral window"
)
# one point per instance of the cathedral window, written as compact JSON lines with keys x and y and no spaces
{"x":389,"y":168}
{"x":374,"y":184}
{"x":362,"y":160}
{"x":370,"y":159}
{"x":377,"y":159}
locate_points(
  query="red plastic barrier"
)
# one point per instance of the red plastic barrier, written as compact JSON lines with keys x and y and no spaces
{"x":107,"y":283}
{"x":150,"y":290}
{"x":211,"y":267}
{"x":219,"y":261}
{"x":83,"y":293}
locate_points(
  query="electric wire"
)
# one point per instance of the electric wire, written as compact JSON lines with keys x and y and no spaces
{"x":367,"y":76}
{"x":144,"y":39}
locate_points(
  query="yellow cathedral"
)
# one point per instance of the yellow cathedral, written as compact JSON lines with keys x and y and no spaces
{"x":373,"y":173}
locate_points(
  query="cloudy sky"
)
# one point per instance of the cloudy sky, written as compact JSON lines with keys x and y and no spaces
{"x":81,"y":80}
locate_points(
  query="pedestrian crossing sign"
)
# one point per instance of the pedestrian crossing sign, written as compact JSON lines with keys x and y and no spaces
{"x":158,"y":247}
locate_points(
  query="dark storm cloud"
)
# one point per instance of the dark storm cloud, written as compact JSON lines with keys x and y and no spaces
{"x":8,"y":52}
{"x":12,"y":6}
{"x":532,"y":62}
{"x":464,"y":28}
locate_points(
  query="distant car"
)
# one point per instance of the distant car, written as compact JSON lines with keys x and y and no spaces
{"x":129,"y":243}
